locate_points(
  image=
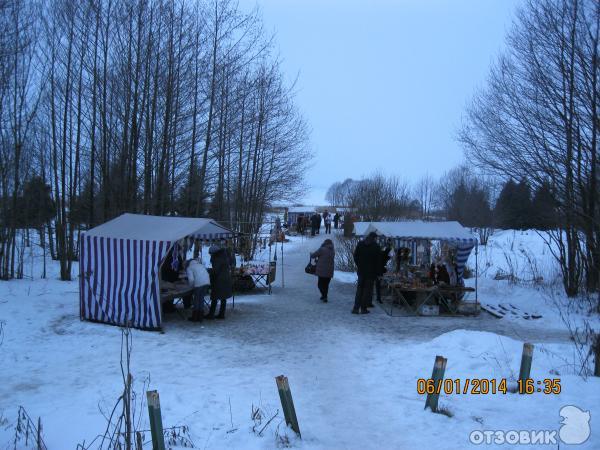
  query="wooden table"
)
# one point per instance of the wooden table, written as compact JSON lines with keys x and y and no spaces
{"x":439,"y":294}
{"x":171,"y":291}
{"x":262,"y":274}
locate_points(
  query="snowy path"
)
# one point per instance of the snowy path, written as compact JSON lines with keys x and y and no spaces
{"x":298,"y":304}
{"x":353,"y":377}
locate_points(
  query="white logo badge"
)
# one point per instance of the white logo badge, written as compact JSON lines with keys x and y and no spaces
{"x":575,"y":425}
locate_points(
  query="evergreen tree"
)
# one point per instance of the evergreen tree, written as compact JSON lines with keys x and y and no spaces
{"x":513,"y":207}
{"x":544,"y":208}
{"x":522,"y":206}
{"x":37,"y":207}
{"x":503,"y":212}
{"x":470,"y":206}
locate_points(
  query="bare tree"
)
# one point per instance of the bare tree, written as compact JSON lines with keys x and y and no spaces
{"x":538,"y":119}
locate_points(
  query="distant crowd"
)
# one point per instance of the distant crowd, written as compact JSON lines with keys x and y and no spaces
{"x":314,"y":222}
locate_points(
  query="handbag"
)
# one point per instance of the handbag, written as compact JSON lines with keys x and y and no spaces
{"x":311,"y":268}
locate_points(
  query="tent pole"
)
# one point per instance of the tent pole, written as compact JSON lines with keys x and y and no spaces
{"x":232,"y":269}
{"x":270,"y":245}
{"x":476,"y":272}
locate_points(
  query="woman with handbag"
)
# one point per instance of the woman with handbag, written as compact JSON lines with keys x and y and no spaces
{"x":325,"y":257}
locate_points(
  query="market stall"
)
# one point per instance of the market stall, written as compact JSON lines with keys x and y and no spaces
{"x":426,"y":271}
{"x":259,"y":252}
{"x":123,"y":264}
{"x":294,"y":212}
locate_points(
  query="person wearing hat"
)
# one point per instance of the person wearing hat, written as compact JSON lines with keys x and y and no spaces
{"x":367,"y":257}
{"x":199,"y":280}
{"x":221,"y":286}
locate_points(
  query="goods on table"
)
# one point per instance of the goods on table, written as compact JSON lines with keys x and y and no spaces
{"x":256,"y":268}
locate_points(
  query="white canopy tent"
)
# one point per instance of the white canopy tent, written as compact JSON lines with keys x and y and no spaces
{"x":159,"y":228}
{"x":119,"y":265}
{"x":417,"y":229}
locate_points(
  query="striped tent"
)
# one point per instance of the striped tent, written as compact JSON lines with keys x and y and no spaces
{"x":407,"y":234}
{"x":119,"y":266}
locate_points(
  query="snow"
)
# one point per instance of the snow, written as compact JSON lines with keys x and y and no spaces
{"x":345,"y":277}
{"x":353,"y":378}
{"x":525,"y":254}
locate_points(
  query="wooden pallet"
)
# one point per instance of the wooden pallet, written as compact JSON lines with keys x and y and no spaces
{"x":508,"y":309}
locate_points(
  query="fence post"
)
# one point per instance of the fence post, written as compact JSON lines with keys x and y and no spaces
{"x":526,"y":358}
{"x":156,"y":428}
{"x":439,"y":367}
{"x":287,"y":404}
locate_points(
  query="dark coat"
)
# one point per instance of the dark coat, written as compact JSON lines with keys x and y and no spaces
{"x":325,"y":261}
{"x":315,"y":220}
{"x":220,"y":276}
{"x":367,"y":257}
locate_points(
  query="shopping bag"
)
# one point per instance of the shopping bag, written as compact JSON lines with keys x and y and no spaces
{"x":311,"y":268}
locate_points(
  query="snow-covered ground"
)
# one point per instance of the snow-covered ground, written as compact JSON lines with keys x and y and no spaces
{"x":353,"y":377}
{"x":537,"y":291}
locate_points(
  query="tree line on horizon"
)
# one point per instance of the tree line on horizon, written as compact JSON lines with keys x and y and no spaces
{"x":458,"y":195}
{"x":150,"y":106}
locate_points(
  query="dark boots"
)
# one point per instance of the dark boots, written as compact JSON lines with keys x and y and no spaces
{"x":222,"y":310}
{"x":213,"y":308}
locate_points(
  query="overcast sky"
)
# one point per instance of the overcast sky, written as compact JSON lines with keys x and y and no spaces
{"x":383,"y":83}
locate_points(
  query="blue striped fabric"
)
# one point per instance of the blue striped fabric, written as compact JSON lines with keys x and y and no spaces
{"x":119,"y":280}
{"x":410,"y":244}
{"x":463,"y":250}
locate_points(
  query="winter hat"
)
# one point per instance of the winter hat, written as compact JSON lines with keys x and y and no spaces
{"x":213,"y":249}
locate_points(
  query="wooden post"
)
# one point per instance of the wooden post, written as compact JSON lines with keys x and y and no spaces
{"x":596,"y":348}
{"x":287,"y":404}
{"x":158,"y":439}
{"x":439,"y":367}
{"x":526,"y":358}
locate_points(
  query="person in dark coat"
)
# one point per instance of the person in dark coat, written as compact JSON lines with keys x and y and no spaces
{"x":315,"y":221}
{"x":336,"y":220}
{"x":438,"y":273}
{"x":348,"y":225}
{"x":325,"y":256}
{"x":367,"y":257}
{"x":327,"y":221}
{"x":385,"y":257}
{"x":221,"y":286}
{"x":300,"y":224}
